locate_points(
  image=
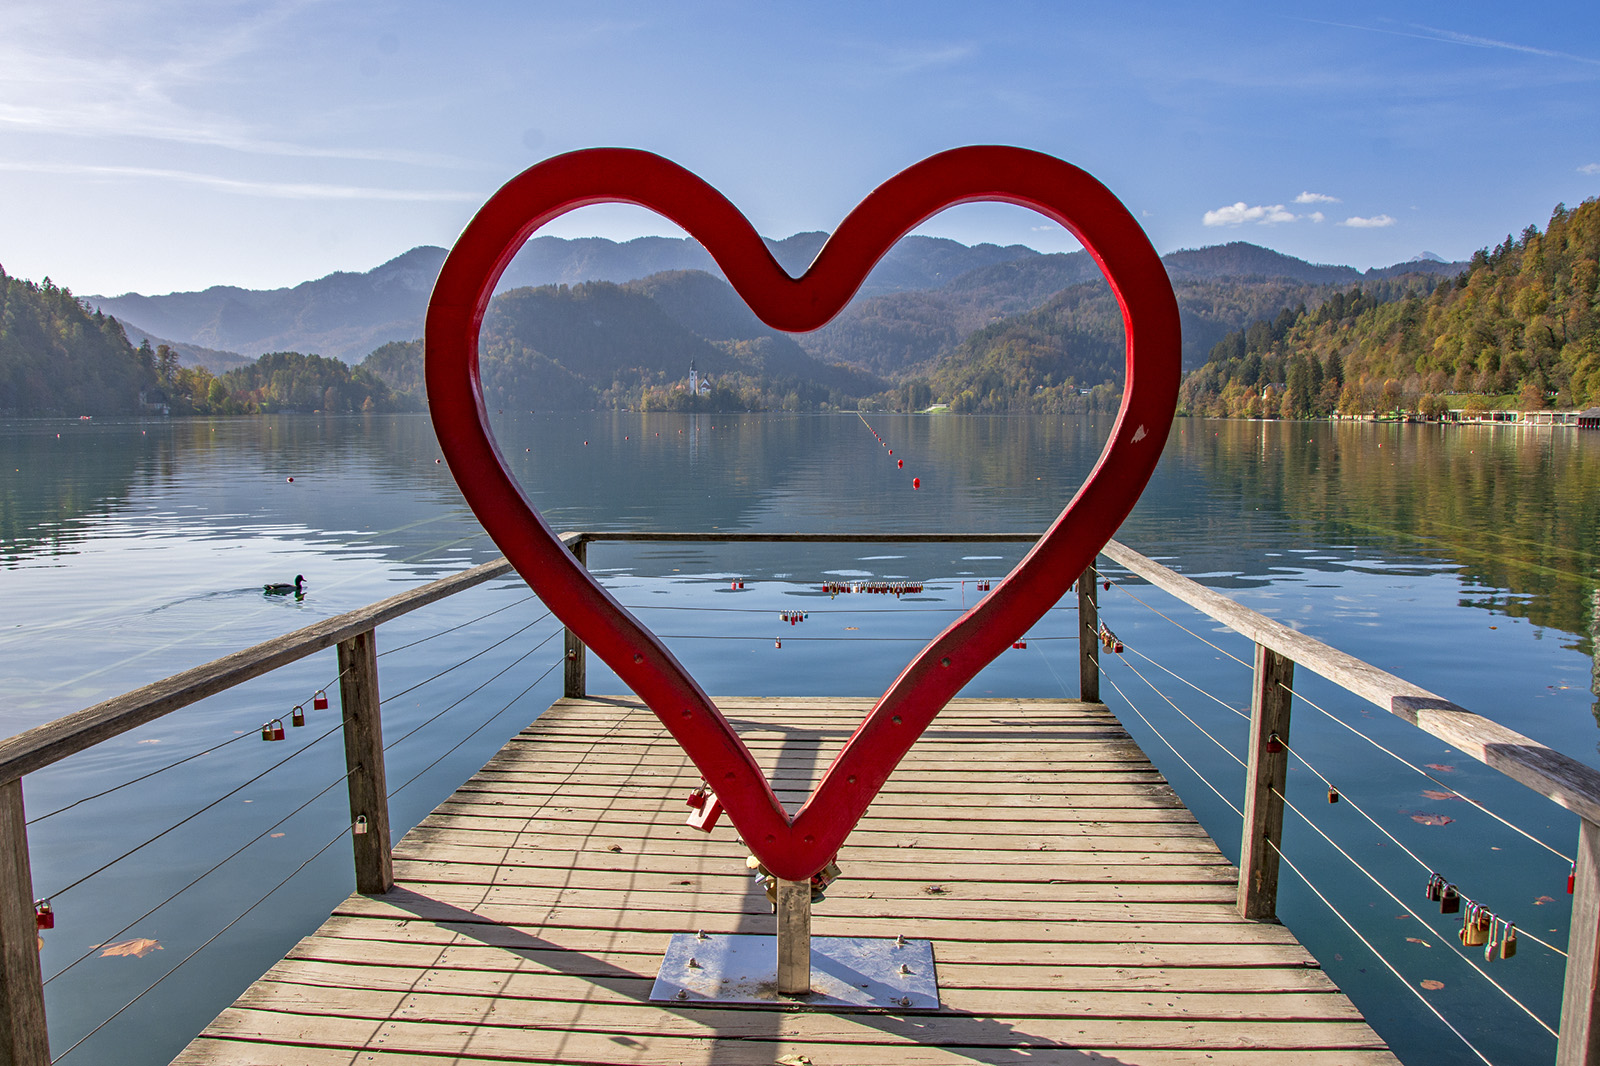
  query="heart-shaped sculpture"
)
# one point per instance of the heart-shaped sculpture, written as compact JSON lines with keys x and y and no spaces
{"x":795,"y":848}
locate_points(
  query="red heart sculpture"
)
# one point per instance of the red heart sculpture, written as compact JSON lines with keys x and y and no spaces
{"x":796,"y":848}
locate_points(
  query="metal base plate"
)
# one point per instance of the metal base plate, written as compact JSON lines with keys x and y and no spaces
{"x":847,"y":973}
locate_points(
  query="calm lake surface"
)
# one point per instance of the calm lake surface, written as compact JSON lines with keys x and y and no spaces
{"x":1462,"y":558}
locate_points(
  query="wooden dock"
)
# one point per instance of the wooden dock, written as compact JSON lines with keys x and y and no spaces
{"x":1079,"y":914}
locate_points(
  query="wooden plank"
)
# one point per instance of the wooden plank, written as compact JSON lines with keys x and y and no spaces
{"x":595,"y":944}
{"x":441,"y":1024}
{"x":294,"y":984}
{"x":24,"y":1040}
{"x":597,"y":1049}
{"x":42,"y":745}
{"x":1555,"y":776}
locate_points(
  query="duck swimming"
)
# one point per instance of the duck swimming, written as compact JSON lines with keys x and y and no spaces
{"x":283,"y":588}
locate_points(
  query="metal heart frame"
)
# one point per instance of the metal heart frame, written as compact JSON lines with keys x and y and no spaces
{"x":795,"y":848}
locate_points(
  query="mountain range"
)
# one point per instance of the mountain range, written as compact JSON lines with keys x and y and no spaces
{"x":926,"y":296}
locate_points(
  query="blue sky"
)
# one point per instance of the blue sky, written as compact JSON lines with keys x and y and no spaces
{"x":160,"y":146}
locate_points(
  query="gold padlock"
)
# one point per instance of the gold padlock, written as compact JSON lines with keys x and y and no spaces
{"x":1508,"y":943}
{"x":1473,"y":932}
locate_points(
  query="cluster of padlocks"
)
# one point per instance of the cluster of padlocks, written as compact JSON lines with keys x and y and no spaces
{"x":877,"y":588}
{"x":983,"y":585}
{"x":1109,"y":639}
{"x":819,"y":880}
{"x":794,"y":618}
{"x":1480,"y":927}
{"x":737,"y":584}
{"x":273,"y":730}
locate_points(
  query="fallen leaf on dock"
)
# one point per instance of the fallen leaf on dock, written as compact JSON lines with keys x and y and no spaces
{"x":1437,"y":794}
{"x":1432,"y":819}
{"x":1414,"y":940}
{"x":1542,"y":900}
{"x":152,"y":740}
{"x":1432,"y":985}
{"x":275,"y":836}
{"x":1441,"y":767}
{"x":137,"y":948}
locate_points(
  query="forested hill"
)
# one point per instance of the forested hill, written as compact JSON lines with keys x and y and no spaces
{"x":1519,"y":327}
{"x":58,"y":358}
{"x":604,"y":345}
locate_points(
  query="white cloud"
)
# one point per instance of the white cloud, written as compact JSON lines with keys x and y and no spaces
{"x":1375,"y":222}
{"x":279,"y":190}
{"x":1316,"y":198}
{"x":1589,"y":168}
{"x":1316,"y":216}
{"x":1239,"y":213}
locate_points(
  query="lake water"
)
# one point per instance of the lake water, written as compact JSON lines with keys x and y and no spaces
{"x":1462,"y":558}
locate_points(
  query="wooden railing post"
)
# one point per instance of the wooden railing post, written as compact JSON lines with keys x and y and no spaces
{"x":24,"y":1040}
{"x":1579,"y":1043}
{"x":363,"y":754}
{"x":1088,"y":637}
{"x":1264,"y":782}
{"x":575,"y":678}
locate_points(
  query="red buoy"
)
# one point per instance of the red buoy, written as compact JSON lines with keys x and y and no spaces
{"x":916,"y":482}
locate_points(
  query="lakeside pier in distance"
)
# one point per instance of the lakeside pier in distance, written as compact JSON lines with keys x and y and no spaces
{"x":1077,"y":910}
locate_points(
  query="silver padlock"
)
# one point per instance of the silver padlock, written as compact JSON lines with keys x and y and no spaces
{"x":360,"y":828}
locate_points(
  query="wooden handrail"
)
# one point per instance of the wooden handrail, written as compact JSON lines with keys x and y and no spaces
{"x":1559,"y":778}
{"x":42,"y":745}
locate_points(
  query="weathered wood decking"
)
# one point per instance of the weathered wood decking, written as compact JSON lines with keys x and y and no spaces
{"x":1079,"y":913}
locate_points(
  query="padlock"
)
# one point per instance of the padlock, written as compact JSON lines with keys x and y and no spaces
{"x":1106,"y":585}
{"x":1475,"y":926}
{"x":319,"y":702}
{"x":1333,"y":794}
{"x":704,"y":818}
{"x":777,"y":644}
{"x":1435,"y":887}
{"x":697,"y":798}
{"x":297,"y":717}
{"x":1492,"y":943}
{"x":1117,"y":647}
{"x":43,"y":916}
{"x":273,"y":730}
{"x":1508,"y":942}
{"x":1572,"y":876}
{"x":1274,"y":744}
{"x":360,"y":828}
{"x":1449,"y":899}
{"x":1020,"y":644}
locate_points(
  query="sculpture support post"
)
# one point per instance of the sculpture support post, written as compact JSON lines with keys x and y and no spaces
{"x":794,"y":938}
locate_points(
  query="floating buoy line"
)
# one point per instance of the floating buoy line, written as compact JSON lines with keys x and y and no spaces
{"x":899,"y":464}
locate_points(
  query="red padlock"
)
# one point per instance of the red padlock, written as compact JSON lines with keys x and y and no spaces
{"x":1274,"y":744}
{"x":1572,"y":876}
{"x":43,"y":916}
{"x":1020,"y":644}
{"x":1106,"y":585}
{"x":319,"y":702}
{"x":704,"y":818}
{"x":276,"y":726}
{"x":297,"y":717}
{"x":697,"y":798}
